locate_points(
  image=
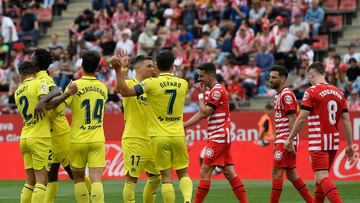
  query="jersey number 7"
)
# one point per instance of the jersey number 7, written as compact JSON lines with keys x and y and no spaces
{"x":171,"y":101}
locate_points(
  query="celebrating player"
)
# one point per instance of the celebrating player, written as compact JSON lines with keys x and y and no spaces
{"x":215,"y":107}
{"x":285,"y":116}
{"x":323,"y":105}
{"x":166,"y":98}
{"x":35,"y":140}
{"x":60,"y":129}
{"x":136,"y":145}
{"x":87,"y":141}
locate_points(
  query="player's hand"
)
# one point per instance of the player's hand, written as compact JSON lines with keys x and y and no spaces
{"x":200,"y":88}
{"x":39,"y":110}
{"x":116,"y":63}
{"x":289,"y":146}
{"x":71,"y":88}
{"x":349,"y":152}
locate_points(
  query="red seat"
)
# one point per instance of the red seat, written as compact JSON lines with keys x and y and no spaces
{"x":44,"y":15}
{"x":330,"y":4}
{"x":323,"y":42}
{"x":338,"y":22}
{"x":347,"y":5}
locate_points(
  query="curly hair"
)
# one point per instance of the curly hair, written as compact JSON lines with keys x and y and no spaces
{"x":43,"y":59}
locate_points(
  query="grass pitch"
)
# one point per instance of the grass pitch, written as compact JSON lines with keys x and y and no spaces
{"x":257,"y":191}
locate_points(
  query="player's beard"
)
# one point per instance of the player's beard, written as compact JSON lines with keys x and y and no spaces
{"x":274,"y":85}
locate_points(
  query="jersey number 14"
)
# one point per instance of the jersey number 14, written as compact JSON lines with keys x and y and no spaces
{"x":97,"y":114}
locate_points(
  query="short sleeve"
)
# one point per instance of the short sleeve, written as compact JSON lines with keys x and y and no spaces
{"x":344,"y":105}
{"x":214,"y":98}
{"x":289,"y":102}
{"x":307,"y":101}
{"x":69,"y":99}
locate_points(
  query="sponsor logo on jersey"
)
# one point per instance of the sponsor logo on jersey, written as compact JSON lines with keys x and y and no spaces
{"x":209,"y":152}
{"x":306,"y":96}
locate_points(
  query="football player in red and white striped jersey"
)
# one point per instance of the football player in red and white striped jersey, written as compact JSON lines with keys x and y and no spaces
{"x":323,"y":105}
{"x":215,"y":107}
{"x":285,"y":116}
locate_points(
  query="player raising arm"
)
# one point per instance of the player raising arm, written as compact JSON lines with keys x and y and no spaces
{"x":215,"y":107}
{"x":166,"y":98}
{"x":323,"y":105}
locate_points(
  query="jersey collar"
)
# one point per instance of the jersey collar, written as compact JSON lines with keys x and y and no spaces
{"x":28,"y":79}
{"x":85,"y":77}
{"x":166,"y":74}
{"x":41,"y":73}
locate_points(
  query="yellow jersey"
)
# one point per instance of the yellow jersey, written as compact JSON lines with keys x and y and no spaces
{"x":26,"y":99}
{"x":59,"y":123}
{"x":87,"y":108}
{"x":135,"y":116}
{"x":166,"y":98}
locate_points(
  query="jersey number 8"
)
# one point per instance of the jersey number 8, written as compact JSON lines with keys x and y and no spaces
{"x":332,"y":109}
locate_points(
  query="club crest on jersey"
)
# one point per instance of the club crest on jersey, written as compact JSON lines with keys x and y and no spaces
{"x":278,"y":155}
{"x":216,"y":95}
{"x":209,"y":152}
{"x":43,"y":88}
{"x":306,"y":96}
{"x":288,"y":99}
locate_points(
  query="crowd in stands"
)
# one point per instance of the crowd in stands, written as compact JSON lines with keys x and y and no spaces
{"x":243,"y":38}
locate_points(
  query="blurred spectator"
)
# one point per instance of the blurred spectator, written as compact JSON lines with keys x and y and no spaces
{"x":284,"y":44}
{"x":8,"y":30}
{"x":146,"y":41}
{"x":201,"y":57}
{"x":264,"y":60}
{"x":353,"y":71}
{"x":252,"y":75}
{"x":190,"y":106}
{"x":225,"y":48}
{"x":4,"y":53}
{"x":242,"y":45}
{"x":314,"y":16}
{"x":172,"y":36}
{"x":120,"y":15}
{"x":97,"y":5}
{"x":299,"y":26}
{"x":235,"y":91}
{"x":339,"y":80}
{"x":207,"y":43}
{"x":256,"y":14}
{"x":122,"y":27}
{"x":212,"y":28}
{"x":103,"y":20}
{"x":186,"y":39}
{"x":55,"y":44}
{"x":107,"y":43}
{"x":172,"y":14}
{"x":83,"y":24}
{"x":301,"y":83}
{"x":329,"y":60}
{"x":73,"y":47}
{"x":125,"y":43}
{"x":29,"y":25}
{"x":265,"y":38}
{"x":189,"y":16}
{"x":137,"y":17}
{"x":351,"y":54}
{"x":66,"y":70}
{"x":154,"y":15}
{"x":353,"y":101}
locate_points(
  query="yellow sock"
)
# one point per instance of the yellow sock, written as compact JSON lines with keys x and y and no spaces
{"x":26,"y":193}
{"x":186,"y":188}
{"x":129,"y":192}
{"x":39,"y":193}
{"x":51,"y":191}
{"x":168,"y":193}
{"x":88,"y":184}
{"x":97,"y":193}
{"x":81,"y":193}
{"x":150,"y":189}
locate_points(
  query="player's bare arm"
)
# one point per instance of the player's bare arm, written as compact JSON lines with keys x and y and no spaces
{"x":348,"y":134}
{"x":119,"y":62}
{"x":205,"y":110}
{"x":71,"y":90}
{"x":299,"y":123}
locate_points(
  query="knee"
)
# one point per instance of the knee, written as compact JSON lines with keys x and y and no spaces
{"x":205,"y":174}
{"x":182,"y":173}
{"x":291,"y":176}
{"x":276,"y":175}
{"x":229,"y":175}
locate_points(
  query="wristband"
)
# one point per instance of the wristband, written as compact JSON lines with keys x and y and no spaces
{"x":200,"y":96}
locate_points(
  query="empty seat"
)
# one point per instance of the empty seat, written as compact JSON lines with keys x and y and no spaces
{"x":338,"y":22}
{"x":330,"y":4}
{"x":347,"y":5}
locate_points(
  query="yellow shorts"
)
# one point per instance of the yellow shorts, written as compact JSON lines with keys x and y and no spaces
{"x":138,"y":156}
{"x":170,"y":152}
{"x":60,"y":149}
{"x":92,"y":154}
{"x":36,"y":152}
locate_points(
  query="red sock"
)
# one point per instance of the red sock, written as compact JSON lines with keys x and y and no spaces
{"x":277,"y":185}
{"x":330,"y":190}
{"x":239,"y":189}
{"x":202,"y":190}
{"x":319,"y":194}
{"x":303,"y":190}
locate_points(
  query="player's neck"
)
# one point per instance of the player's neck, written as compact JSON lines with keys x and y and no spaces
{"x":320,"y":81}
{"x":26,"y":77}
{"x":280,"y":88}
{"x":89,"y":74}
{"x":212,"y":84}
{"x":139,"y":78}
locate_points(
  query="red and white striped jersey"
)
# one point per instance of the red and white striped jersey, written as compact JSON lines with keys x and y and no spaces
{"x":325,"y":103}
{"x":285,"y":104}
{"x":219,"y":122}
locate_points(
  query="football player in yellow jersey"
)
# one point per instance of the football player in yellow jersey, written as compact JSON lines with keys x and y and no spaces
{"x":136,"y":145}
{"x":87,"y":140}
{"x":60,"y":128}
{"x":166,"y":97}
{"x":35,"y":140}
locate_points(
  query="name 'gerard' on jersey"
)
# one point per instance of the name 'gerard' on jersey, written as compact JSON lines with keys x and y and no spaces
{"x":170,"y":83}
